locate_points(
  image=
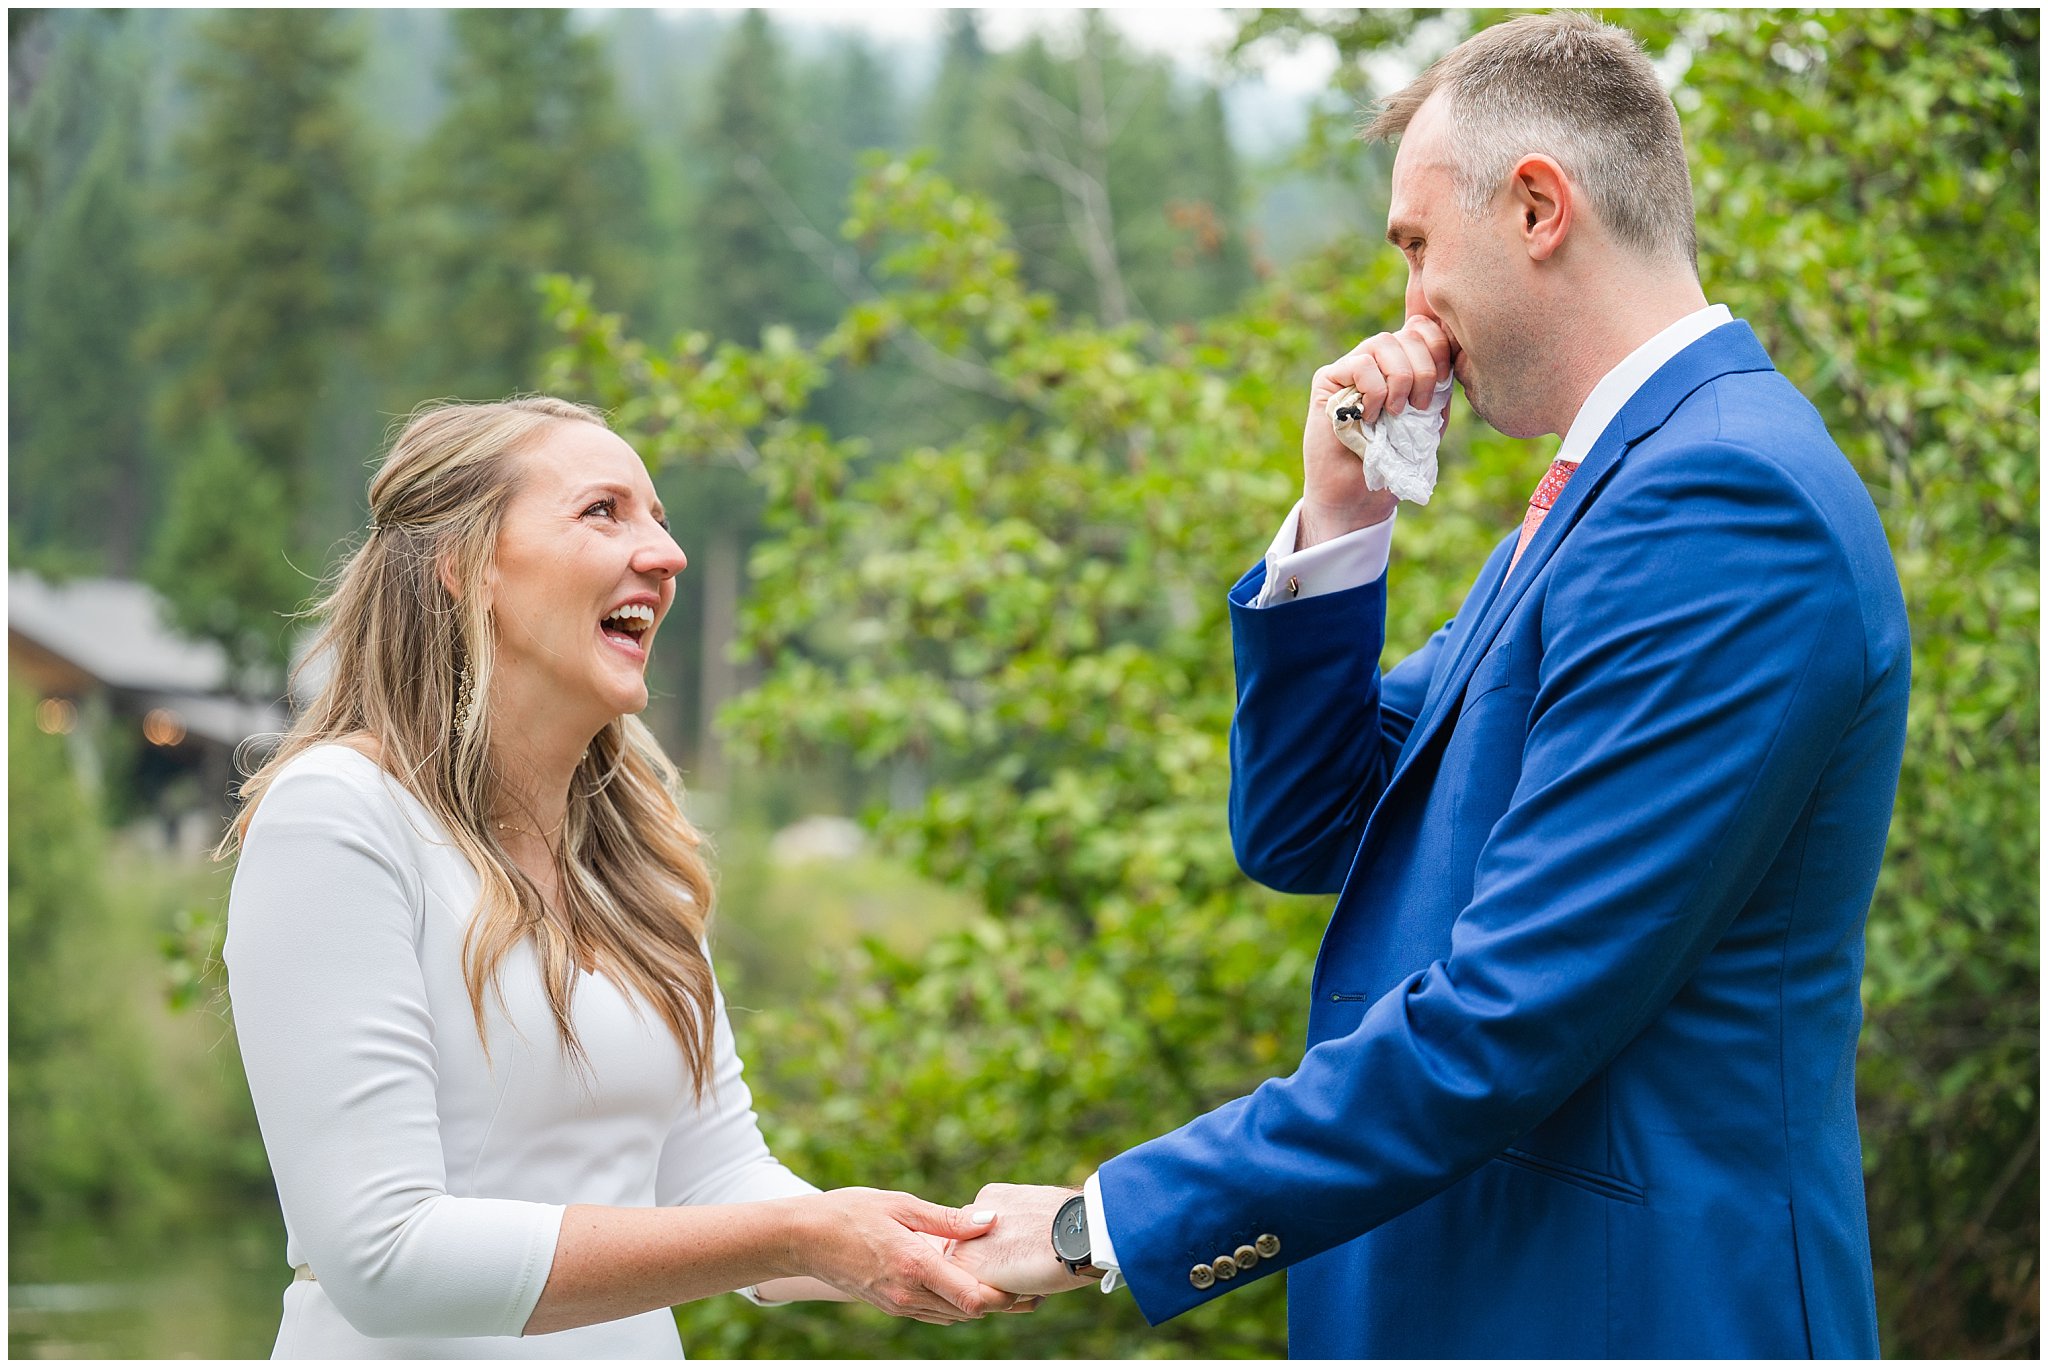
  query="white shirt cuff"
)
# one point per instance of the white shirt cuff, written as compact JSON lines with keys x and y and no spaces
{"x":1101,"y":1252}
{"x":1343,"y":562}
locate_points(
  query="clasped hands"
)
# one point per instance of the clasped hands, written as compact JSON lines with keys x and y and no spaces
{"x":1015,"y":1254}
{"x":955,"y":1265}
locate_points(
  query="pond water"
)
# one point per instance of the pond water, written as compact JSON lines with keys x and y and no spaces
{"x":200,"y":1293}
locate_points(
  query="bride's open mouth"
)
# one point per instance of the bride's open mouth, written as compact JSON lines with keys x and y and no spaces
{"x":627,"y":628}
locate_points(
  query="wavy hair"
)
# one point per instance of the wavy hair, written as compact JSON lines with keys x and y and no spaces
{"x":635,"y":888}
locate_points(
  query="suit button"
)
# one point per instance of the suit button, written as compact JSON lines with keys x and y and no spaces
{"x":1202,"y":1276}
{"x":1226,"y":1267}
{"x":1245,"y":1256}
{"x":1267,"y":1245}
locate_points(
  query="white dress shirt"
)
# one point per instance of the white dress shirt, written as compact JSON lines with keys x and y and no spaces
{"x":423,"y":1184}
{"x":1360,"y":557}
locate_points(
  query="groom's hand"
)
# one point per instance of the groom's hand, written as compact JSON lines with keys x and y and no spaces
{"x":1391,"y":372}
{"x":1017,"y":1255}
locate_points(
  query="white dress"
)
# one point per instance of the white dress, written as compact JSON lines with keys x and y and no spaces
{"x":423,"y":1187}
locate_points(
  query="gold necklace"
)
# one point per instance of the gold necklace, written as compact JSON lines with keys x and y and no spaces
{"x":545,"y":836}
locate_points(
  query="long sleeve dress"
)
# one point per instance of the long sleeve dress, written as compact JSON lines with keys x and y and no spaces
{"x":422,"y":1185}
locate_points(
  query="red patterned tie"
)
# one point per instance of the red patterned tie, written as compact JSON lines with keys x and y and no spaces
{"x":1540,"y":503}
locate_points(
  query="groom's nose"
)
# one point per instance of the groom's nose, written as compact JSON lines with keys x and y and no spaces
{"x":1414,"y":301}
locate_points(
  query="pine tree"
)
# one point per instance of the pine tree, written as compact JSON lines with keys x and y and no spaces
{"x":749,"y":198}
{"x":959,"y":100}
{"x":532,"y":169}
{"x":664,"y":61}
{"x":79,"y":477}
{"x":218,"y":562}
{"x":266,"y":218}
{"x":753,"y":194}
{"x":1173,"y":188}
{"x":848,"y":104}
{"x":1216,"y":182}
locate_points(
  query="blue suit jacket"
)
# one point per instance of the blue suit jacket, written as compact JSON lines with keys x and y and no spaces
{"x":1580,"y":1076}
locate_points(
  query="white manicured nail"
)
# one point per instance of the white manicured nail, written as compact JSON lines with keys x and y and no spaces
{"x":981,"y":1217}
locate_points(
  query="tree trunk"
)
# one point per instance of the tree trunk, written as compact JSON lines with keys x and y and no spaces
{"x":717,"y":680}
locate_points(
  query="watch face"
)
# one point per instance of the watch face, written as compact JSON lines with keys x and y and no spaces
{"x":1070,"y":1230}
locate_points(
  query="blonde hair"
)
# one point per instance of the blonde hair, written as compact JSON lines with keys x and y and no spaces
{"x":1570,"y":87}
{"x":635,"y":888}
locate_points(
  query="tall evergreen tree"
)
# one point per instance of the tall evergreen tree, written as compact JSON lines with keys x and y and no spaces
{"x":531,"y":169}
{"x":30,"y":42}
{"x":217,"y":560}
{"x":664,"y":60}
{"x":1216,"y":183}
{"x":753,"y":197}
{"x":1173,"y":188}
{"x":266,"y":218}
{"x":848,"y":104}
{"x":959,"y":99}
{"x":79,"y":478}
{"x":750,"y":197}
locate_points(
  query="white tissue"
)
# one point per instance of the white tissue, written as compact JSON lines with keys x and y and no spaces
{"x":1397,"y":449}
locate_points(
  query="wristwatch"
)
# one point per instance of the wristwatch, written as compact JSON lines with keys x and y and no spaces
{"x":1070,"y":1243}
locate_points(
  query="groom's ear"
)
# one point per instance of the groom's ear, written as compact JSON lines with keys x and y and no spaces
{"x":1544,"y":201}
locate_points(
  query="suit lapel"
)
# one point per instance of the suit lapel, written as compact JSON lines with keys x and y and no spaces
{"x":1484,"y":590}
{"x":1730,"y":349}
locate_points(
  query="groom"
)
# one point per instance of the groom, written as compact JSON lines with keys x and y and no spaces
{"x":1580,"y":1076}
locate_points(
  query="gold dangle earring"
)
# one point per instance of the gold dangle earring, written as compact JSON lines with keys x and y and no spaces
{"x":465,"y":699}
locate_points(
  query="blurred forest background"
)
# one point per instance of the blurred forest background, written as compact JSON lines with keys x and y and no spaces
{"x":972,"y":379}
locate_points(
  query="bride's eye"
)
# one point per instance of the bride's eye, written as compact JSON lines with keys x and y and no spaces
{"x":608,"y":507}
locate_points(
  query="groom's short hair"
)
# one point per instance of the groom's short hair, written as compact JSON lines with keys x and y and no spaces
{"x":1577,"y":90}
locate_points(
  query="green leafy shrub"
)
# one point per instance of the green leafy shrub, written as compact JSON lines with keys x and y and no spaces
{"x":81,"y":1105}
{"x":121,"y":1112}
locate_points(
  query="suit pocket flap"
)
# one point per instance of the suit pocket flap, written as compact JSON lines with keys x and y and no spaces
{"x":1495,"y":670}
{"x":1599,"y":1184}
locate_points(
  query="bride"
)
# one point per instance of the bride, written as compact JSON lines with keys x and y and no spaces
{"x":466,"y":947}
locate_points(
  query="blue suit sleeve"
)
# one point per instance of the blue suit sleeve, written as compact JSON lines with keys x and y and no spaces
{"x":1317,"y":729}
{"x":1703,"y":655}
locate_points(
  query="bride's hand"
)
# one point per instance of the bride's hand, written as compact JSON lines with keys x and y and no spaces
{"x":870,"y":1245}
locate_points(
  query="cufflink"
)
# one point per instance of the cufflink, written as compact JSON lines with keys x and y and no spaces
{"x":1202,"y":1276}
{"x":1294,"y":586}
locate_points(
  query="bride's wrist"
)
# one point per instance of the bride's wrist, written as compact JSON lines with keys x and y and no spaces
{"x":795,"y":1232}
